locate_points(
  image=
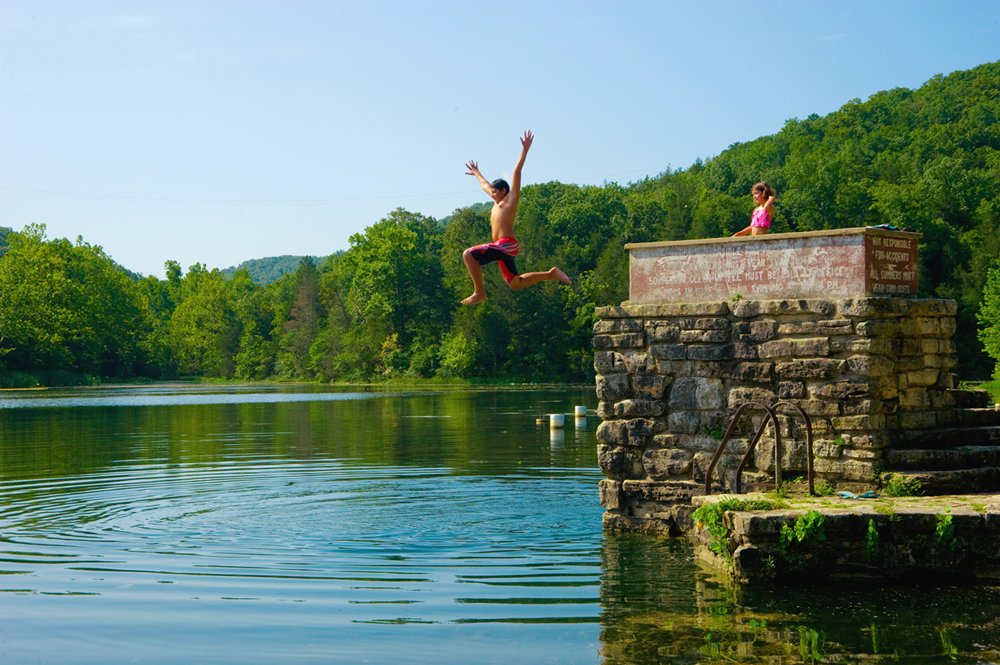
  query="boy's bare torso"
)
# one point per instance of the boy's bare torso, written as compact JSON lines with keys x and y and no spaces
{"x":502,"y":217}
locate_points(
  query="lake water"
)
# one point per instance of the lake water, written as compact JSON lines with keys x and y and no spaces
{"x":206,"y":524}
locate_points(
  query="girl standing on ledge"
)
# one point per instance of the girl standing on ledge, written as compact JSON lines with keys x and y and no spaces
{"x":760,"y":219}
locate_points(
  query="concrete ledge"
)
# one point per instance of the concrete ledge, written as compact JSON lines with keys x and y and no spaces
{"x":841,"y":263}
{"x":819,"y":539}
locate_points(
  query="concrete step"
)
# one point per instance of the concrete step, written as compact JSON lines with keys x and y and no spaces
{"x":989,"y":417}
{"x":954,"y":481}
{"x":946,"y":437}
{"x":970,"y":398}
{"x":939,"y":459}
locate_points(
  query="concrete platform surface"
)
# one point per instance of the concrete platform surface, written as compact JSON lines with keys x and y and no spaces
{"x":761,"y":538}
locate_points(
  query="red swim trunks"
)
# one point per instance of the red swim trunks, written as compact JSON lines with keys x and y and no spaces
{"x":503,"y":250}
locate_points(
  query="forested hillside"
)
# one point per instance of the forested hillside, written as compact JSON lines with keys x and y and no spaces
{"x":927,"y":159}
{"x":271,"y":268}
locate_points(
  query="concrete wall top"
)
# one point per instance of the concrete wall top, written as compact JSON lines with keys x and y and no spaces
{"x":840,"y":263}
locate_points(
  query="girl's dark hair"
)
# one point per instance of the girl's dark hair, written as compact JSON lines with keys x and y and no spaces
{"x":766,"y":188}
{"x":500,"y":183}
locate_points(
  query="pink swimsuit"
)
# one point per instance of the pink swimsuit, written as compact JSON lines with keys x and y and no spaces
{"x":759,"y":219}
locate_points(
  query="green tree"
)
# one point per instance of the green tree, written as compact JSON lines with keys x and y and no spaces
{"x":204,"y":328}
{"x":989,"y":317}
{"x":66,"y":307}
{"x":300,"y":326}
{"x":111,"y":314}
{"x":255,"y":357}
{"x":389,"y":291}
{"x":158,"y":299}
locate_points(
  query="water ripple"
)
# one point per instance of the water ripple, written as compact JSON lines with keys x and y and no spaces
{"x":370,"y":537}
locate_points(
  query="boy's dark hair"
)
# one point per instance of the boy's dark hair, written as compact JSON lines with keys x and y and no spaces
{"x":500,"y":183}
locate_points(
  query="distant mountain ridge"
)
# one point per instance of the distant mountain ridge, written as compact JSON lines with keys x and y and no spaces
{"x":271,"y":268}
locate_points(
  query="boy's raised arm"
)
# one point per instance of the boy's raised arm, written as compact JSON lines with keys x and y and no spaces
{"x":471,"y":168}
{"x":526,"y":140}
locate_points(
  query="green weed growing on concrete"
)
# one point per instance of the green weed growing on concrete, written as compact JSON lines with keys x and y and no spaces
{"x":871,"y":541}
{"x":887,"y":509}
{"x":795,"y":541}
{"x":716,"y":431}
{"x":780,"y":492}
{"x":809,"y":528}
{"x":710,"y":517}
{"x":770,"y":566}
{"x":897,"y":485}
{"x":824,"y":488}
{"x":944,"y":533}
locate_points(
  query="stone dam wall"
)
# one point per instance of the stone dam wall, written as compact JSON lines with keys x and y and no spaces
{"x":669,"y":376}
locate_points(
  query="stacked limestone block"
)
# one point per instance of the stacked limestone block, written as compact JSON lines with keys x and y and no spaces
{"x":670,"y":376}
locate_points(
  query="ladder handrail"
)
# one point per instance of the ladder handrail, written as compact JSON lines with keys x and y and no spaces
{"x":810,"y":475}
{"x":753,"y":444}
{"x":771,"y":413}
{"x":729,"y":432}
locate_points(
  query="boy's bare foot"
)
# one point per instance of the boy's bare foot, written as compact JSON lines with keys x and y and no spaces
{"x":562,"y":277}
{"x":474,"y":298}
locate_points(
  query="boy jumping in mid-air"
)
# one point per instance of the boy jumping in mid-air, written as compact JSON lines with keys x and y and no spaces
{"x":504,"y":246}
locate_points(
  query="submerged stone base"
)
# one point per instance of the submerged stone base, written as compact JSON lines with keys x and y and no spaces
{"x":817,"y":539}
{"x":649,"y":506}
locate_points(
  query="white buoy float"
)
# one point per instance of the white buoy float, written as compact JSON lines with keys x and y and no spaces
{"x":581,"y":412}
{"x":556,"y":421}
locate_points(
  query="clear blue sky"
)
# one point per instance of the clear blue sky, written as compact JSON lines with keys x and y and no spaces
{"x":218,"y":131}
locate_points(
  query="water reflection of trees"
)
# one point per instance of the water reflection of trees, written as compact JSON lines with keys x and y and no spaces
{"x":477,"y":431}
{"x":661,"y":606}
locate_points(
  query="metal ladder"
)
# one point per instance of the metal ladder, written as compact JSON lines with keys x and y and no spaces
{"x":771,"y":415}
